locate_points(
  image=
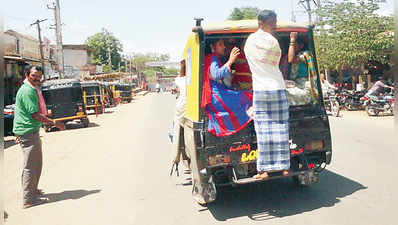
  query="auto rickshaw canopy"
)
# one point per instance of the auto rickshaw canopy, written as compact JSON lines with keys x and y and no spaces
{"x":250,"y":26}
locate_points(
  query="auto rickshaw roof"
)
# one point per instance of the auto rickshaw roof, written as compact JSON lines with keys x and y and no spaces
{"x":250,"y":26}
{"x":61,"y":83}
{"x":89,"y":83}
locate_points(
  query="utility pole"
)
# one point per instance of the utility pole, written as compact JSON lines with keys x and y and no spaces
{"x":109,"y":49}
{"x":307,"y":8}
{"x":58,"y":35}
{"x":40,"y":44}
{"x":293,"y":16}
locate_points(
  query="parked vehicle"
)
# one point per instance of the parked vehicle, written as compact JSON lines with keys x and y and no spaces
{"x":64,"y":101}
{"x":108,"y":97}
{"x":126,"y":92}
{"x":231,"y":160}
{"x":8,"y":113}
{"x":383,"y":104}
{"x":93,"y":96}
{"x":352,"y":100}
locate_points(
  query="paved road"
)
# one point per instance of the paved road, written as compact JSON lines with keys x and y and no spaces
{"x":116,"y":172}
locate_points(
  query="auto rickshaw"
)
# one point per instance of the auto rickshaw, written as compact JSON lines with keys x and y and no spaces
{"x":109,"y":100}
{"x":231,"y":160}
{"x":64,"y":101}
{"x":93,"y":96}
{"x":126,"y":92}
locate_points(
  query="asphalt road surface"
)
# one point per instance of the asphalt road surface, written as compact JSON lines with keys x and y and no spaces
{"x":117,"y":172}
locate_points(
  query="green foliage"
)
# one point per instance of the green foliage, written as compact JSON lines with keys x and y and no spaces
{"x":100,"y":42}
{"x":351,"y":34}
{"x":140,"y":59}
{"x":244,"y":13}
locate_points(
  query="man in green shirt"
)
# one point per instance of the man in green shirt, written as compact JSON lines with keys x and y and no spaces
{"x":29,"y":115}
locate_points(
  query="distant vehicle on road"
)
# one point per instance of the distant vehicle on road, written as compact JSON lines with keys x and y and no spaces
{"x":64,"y":101}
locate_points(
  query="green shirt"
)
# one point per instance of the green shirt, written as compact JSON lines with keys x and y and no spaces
{"x":26,"y":103}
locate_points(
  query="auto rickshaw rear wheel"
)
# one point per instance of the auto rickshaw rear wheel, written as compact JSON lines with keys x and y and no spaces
{"x":85,"y":122}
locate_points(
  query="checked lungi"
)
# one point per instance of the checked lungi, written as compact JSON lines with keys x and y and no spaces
{"x":271,"y":115}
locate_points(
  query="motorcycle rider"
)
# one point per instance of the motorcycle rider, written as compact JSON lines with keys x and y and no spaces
{"x":377,"y":88}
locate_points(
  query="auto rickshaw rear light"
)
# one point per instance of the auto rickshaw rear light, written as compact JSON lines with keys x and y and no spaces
{"x":49,"y":112}
{"x":296,"y":152}
{"x":311,"y":165}
{"x":218,"y":159}
{"x":314,"y":145}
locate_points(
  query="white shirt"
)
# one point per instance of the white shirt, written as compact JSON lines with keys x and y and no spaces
{"x":263,"y":54}
{"x":181,"y":100}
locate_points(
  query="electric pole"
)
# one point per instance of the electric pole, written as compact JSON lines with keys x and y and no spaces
{"x":58,"y":35}
{"x":293,"y":16}
{"x":307,"y":8}
{"x":40,"y":44}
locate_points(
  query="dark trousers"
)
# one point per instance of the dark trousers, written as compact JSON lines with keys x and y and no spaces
{"x":32,"y":165}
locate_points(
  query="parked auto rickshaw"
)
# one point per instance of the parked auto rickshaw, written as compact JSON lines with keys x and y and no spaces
{"x":231,"y":160}
{"x":126,"y":92}
{"x":93,"y":96}
{"x":8,"y":113}
{"x":64,"y":101}
{"x":108,"y":99}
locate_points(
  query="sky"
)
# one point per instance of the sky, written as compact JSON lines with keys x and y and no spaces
{"x":141,"y":25}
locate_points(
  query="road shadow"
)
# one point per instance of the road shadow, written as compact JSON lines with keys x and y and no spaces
{"x":66,"y":195}
{"x":73,"y":126}
{"x":280,"y":198}
{"x":9,"y":143}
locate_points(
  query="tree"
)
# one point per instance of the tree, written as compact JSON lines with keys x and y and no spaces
{"x":244,"y":13}
{"x":351,"y":34}
{"x":140,"y":59}
{"x":100,"y":42}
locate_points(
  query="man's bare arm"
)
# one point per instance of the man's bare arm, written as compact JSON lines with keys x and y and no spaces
{"x":42,"y":118}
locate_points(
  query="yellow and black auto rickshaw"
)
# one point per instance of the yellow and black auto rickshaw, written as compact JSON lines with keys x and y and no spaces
{"x":231,"y":160}
{"x":93,"y":96}
{"x":64,"y":101}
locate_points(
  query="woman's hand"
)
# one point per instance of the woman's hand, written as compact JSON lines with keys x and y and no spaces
{"x":233,"y":56}
{"x":293,"y":36}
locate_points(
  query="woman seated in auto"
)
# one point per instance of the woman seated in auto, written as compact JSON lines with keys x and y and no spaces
{"x":226,"y":108}
{"x":295,"y":72}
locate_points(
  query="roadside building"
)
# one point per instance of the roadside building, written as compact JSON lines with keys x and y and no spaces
{"x":19,"y":50}
{"x":77,"y":61}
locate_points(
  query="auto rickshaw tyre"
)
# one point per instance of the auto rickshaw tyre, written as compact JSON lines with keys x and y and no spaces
{"x":85,"y":122}
{"x":129,"y":100}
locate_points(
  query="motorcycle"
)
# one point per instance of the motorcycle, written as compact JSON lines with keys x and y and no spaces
{"x":382,"y":104}
{"x":352,"y":100}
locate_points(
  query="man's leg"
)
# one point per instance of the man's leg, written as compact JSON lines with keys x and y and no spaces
{"x":39,"y":159}
{"x":29,"y":172}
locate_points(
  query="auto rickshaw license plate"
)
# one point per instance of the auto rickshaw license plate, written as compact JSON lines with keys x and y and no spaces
{"x":79,"y":114}
{"x":249,"y":156}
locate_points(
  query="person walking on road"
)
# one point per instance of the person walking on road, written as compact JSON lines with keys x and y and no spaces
{"x":270,"y":103}
{"x":30,"y":112}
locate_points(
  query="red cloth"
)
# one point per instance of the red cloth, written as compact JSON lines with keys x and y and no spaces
{"x":206,"y":93}
{"x":241,"y":66}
